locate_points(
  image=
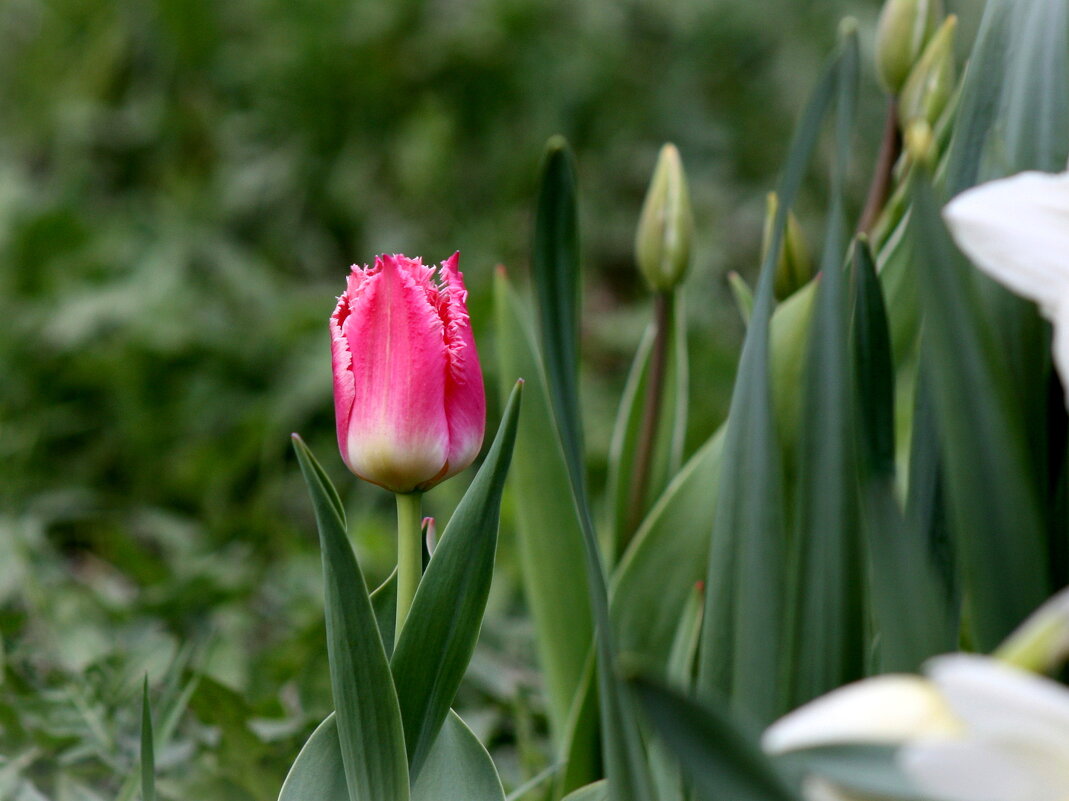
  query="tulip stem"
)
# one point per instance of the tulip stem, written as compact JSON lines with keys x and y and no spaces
{"x":409,"y":553}
{"x":880,"y":188}
{"x":663,"y":314}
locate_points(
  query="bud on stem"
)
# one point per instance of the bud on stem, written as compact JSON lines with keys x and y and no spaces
{"x":931,"y":82}
{"x":904,"y":28}
{"x":794,"y":265}
{"x":666,"y":227}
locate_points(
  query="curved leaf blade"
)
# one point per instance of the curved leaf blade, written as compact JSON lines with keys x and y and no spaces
{"x":317,"y":773}
{"x":548,"y":533}
{"x":556,"y":267}
{"x":369,"y":727}
{"x":439,"y":637}
{"x":720,"y":760}
{"x":457,"y":768}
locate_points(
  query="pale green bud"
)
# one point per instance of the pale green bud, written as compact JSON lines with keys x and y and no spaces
{"x":794,"y":265}
{"x":920,"y":143}
{"x":666,"y":227}
{"x":930,"y":84}
{"x":904,"y":28}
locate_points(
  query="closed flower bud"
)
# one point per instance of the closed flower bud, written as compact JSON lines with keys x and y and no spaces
{"x":794,"y":266}
{"x":904,"y":28}
{"x":666,"y":228}
{"x":408,"y":388}
{"x":930,"y":84}
{"x":920,"y":143}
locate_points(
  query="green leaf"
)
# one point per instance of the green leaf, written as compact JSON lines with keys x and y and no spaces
{"x":666,"y":558}
{"x":867,"y":770}
{"x":556,"y":268}
{"x":384,"y":602}
{"x":628,"y":506}
{"x":981,"y":91}
{"x":457,"y":767}
{"x":926,"y":509}
{"x":829,"y":623}
{"x":148,"y":757}
{"x":745,"y":586}
{"x":317,"y":774}
{"x":913,"y":618}
{"x":368,"y":716}
{"x":443,"y":625}
{"x":598,"y":791}
{"x":742,"y":295}
{"x":680,"y":672}
{"x":717,"y":757}
{"x":1036,"y":91}
{"x":550,"y":539}
{"x":581,"y":748}
{"x":874,"y":366}
{"x":997,"y":525}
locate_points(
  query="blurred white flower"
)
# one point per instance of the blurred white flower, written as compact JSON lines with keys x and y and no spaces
{"x":977,"y":729}
{"x":1017,"y":231}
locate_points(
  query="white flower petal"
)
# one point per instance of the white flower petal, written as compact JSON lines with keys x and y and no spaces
{"x":974,"y":770}
{"x":1017,"y":231}
{"x":999,"y":702}
{"x":884,"y":709}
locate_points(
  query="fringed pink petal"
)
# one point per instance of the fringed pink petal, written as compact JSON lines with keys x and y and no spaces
{"x":465,"y":399}
{"x":342,"y":366}
{"x":397,"y":433}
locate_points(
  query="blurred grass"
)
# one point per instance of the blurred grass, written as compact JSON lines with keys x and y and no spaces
{"x":182,"y":186}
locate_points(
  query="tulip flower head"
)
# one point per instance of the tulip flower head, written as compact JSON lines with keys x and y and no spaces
{"x":408,"y":387}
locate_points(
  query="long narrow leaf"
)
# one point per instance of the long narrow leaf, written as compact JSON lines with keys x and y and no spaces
{"x":995,"y":509}
{"x":148,"y":748}
{"x":439,"y":637}
{"x":828,"y":633}
{"x":556,"y":274}
{"x":911,"y":609}
{"x":626,"y":510}
{"x":368,"y":716}
{"x":742,"y":653}
{"x":549,"y":537}
{"x":719,"y":759}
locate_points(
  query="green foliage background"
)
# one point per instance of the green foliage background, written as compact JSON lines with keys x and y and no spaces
{"x":183,"y":185}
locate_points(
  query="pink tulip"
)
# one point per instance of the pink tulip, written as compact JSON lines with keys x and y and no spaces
{"x":408,"y":388}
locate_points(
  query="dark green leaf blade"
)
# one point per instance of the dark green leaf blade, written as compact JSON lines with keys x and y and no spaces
{"x":742,"y":654}
{"x":457,"y":767}
{"x":439,"y":637}
{"x":829,"y":624}
{"x":317,"y":773}
{"x":912,"y":614}
{"x":368,"y":716}
{"x":384,"y":602}
{"x":996,"y":520}
{"x":713,"y":752}
{"x":548,"y":532}
{"x":148,"y":748}
{"x":556,"y":267}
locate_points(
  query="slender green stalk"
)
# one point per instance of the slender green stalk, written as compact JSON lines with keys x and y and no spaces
{"x":663,"y":310}
{"x":409,"y":553}
{"x":880,"y":188}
